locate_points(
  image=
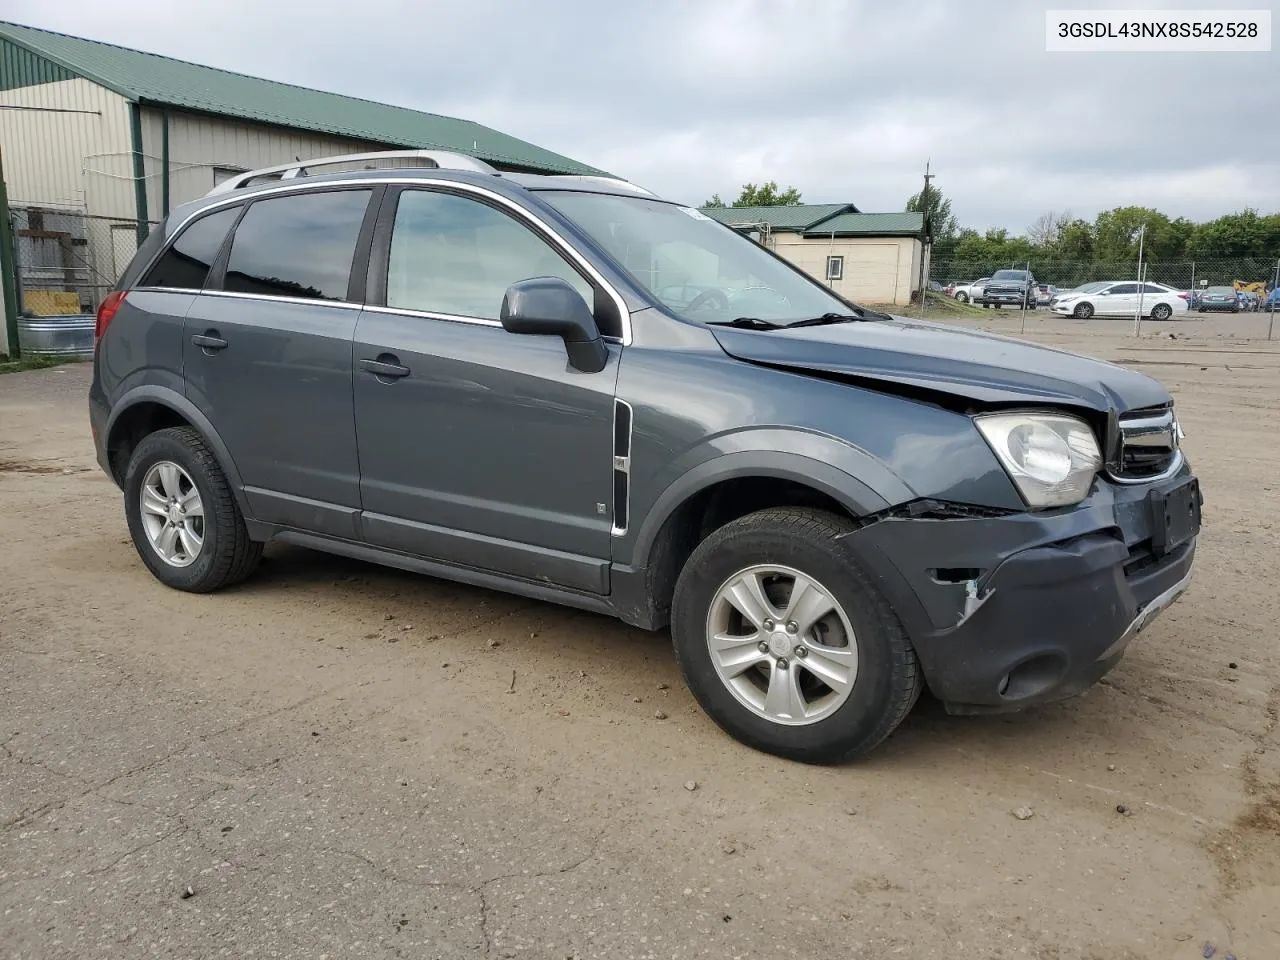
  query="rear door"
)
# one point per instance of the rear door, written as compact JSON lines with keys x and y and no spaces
{"x":267,"y":353}
{"x":485,"y":448}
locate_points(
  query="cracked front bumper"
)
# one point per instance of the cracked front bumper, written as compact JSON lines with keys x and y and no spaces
{"x":1006,"y":612}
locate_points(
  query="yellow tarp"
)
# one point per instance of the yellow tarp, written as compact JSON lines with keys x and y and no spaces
{"x":1259,"y":287}
{"x":50,"y":303}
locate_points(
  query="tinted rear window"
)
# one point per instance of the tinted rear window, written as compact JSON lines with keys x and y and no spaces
{"x":297,"y":246}
{"x":185,"y":265}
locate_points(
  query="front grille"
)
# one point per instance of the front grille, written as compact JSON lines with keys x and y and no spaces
{"x":1147,"y":445}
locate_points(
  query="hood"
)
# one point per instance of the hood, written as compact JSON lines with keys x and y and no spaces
{"x":968,"y":364}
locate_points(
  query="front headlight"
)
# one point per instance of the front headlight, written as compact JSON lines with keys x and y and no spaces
{"x":1052,"y":458}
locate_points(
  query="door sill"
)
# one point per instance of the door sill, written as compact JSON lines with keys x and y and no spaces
{"x":449,"y":571}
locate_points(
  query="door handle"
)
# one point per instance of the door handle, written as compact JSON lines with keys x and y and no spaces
{"x":387,"y":367}
{"x":209,"y":341}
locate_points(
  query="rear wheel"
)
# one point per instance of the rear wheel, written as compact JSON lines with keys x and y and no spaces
{"x":183,"y":517}
{"x":1083,"y":311}
{"x":786,"y":642}
{"x":1161,"y":311}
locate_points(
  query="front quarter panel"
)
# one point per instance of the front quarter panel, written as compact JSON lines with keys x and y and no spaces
{"x":701,"y":416}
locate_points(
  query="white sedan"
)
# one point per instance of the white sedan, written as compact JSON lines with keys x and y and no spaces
{"x":1120,"y":299}
{"x":969,"y":292}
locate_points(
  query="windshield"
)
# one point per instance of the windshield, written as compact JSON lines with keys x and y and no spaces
{"x":697,"y":268}
{"x":1009,"y":275}
{"x":1091,"y":287}
{"x":1219,"y":291}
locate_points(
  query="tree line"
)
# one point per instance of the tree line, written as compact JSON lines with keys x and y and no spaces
{"x":1112,"y":236}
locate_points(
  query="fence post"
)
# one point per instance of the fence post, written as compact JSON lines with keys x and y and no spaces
{"x":8,"y":273}
{"x":1275,"y":286}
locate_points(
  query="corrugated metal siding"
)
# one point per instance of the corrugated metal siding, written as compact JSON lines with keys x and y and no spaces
{"x":150,"y":78}
{"x":46,"y":152}
{"x":22,"y":68}
{"x":198,"y":143}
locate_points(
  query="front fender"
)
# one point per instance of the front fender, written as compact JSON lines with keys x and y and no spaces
{"x":847,"y":474}
{"x":167,"y":397}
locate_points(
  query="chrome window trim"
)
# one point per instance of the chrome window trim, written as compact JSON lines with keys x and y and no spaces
{"x":428,"y":315}
{"x":449,"y":317}
{"x":268,"y":297}
{"x":520,"y":213}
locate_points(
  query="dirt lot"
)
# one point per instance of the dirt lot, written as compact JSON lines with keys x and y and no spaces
{"x":345,"y":761}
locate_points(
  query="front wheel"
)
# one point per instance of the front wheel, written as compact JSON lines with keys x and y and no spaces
{"x":785,"y":641}
{"x":1161,"y":311}
{"x":1083,"y":311}
{"x":962,"y":297}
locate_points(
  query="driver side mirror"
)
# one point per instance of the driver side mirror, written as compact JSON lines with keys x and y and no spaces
{"x":549,"y":306}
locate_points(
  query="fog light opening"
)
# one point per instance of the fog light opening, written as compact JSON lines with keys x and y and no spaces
{"x":1033,"y":677}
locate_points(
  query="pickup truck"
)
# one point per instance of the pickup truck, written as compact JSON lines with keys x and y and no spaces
{"x":1010,"y":287}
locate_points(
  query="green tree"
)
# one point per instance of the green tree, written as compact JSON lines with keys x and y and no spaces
{"x":1242,"y":234}
{"x":1074,"y":241}
{"x":937,"y":213}
{"x":763,"y":195}
{"x":1115,"y":235}
{"x":767,"y":195}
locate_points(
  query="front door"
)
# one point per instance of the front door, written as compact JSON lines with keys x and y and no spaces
{"x":267,"y":356}
{"x":1121,"y":301}
{"x":483,"y":448}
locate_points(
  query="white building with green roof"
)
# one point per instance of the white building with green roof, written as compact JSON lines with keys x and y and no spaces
{"x":120,"y":133}
{"x":875,"y":258}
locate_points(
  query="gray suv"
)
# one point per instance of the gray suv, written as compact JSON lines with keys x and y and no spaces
{"x":503,"y":379}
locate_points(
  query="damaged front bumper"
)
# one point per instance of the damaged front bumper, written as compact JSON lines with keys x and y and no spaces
{"x":1009,"y":611}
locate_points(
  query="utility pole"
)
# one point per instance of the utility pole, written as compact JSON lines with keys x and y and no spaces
{"x":1275,"y":286}
{"x":1137,"y":309}
{"x":925,"y":258}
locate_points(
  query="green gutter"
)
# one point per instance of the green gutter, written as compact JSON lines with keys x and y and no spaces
{"x":164,"y":160}
{"x":139,"y":170}
{"x":8,"y":272}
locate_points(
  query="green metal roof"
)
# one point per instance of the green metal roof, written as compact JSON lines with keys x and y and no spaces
{"x":795,"y":218}
{"x":151,"y":78}
{"x":870,"y":224}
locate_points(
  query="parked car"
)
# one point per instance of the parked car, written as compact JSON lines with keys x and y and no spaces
{"x":459,"y":372}
{"x":1273,"y":300}
{"x":1010,"y":288}
{"x":970,"y":292}
{"x":1121,"y":299}
{"x":1219,"y":298}
{"x":1045,"y":292}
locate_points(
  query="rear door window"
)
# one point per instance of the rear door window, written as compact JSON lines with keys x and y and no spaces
{"x":297,"y":246}
{"x":185,"y":265}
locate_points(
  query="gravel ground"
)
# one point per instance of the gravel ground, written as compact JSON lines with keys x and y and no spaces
{"x":338,"y":760}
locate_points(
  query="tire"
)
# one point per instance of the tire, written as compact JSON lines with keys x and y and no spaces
{"x":962,"y":297}
{"x":225,"y":554}
{"x":997,"y":306}
{"x":1200,"y":310}
{"x":886,"y":678}
{"x":1083,"y":311}
{"x":1161,"y":311}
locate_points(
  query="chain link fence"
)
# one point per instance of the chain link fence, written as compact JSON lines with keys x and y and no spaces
{"x":1067,"y":274}
{"x":66,"y":261}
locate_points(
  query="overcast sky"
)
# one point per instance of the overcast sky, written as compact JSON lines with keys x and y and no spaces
{"x":844,"y":100}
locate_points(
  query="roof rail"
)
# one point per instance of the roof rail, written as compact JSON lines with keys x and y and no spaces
{"x":616,"y":181}
{"x":430,"y":159}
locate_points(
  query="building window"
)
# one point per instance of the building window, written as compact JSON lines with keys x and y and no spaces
{"x":835,"y":268}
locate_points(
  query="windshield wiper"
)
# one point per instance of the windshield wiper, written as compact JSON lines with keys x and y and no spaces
{"x":827,"y":318}
{"x":748,"y":323}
